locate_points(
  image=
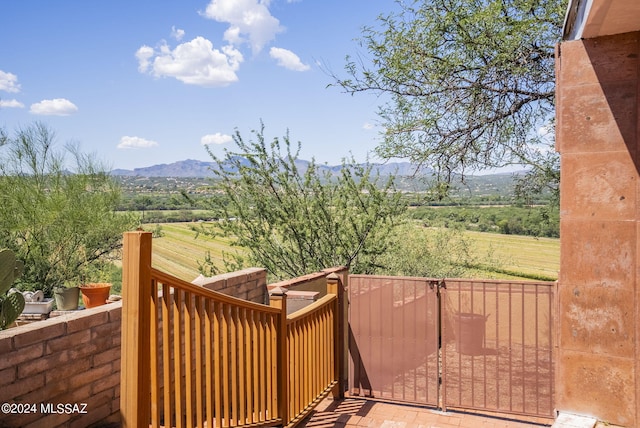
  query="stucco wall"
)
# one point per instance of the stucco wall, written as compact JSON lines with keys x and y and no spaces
{"x":599,"y":315}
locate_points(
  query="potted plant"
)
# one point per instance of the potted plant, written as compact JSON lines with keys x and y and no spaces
{"x":96,"y":282}
{"x":66,"y":297}
{"x":11,"y":303}
{"x":95,"y":293}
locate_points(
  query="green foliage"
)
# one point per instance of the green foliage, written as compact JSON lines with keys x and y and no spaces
{"x":466,"y":84}
{"x":11,"y":304}
{"x":510,"y":220}
{"x":433,"y":253}
{"x":57,"y":213}
{"x":294,"y":218}
{"x":176,"y":216}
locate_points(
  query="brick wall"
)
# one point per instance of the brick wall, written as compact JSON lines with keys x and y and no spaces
{"x":316,"y":281}
{"x":248,"y":284}
{"x":75,"y":359}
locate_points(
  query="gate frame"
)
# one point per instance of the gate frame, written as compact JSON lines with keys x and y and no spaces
{"x":525,"y":296}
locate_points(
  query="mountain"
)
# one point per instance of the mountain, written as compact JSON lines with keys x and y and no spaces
{"x":185,"y":168}
{"x":196,"y":168}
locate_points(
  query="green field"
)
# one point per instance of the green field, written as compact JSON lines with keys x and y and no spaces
{"x":178,"y":252}
{"x":525,"y":254}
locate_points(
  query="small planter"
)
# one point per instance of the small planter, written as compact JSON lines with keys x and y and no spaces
{"x":36,"y":304}
{"x":66,"y":298}
{"x":43,"y":307}
{"x":471,"y":329}
{"x":95,"y":294}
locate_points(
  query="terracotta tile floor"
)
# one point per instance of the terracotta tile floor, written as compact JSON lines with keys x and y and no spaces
{"x":352,"y":412}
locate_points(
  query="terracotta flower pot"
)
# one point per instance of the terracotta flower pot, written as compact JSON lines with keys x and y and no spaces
{"x":95,"y":294}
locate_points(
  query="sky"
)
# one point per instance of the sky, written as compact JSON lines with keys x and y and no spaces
{"x":147,"y":82}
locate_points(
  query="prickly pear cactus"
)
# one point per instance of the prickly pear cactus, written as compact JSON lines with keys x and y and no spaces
{"x":11,"y":304}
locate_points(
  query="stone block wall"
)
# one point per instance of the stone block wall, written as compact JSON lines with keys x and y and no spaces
{"x":597,"y":128}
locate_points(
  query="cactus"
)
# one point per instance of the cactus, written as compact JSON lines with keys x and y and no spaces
{"x":11,"y":304}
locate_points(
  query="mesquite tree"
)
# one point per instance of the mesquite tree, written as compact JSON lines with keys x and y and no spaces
{"x":296,"y":217}
{"x":57,"y":209}
{"x":466,"y":85}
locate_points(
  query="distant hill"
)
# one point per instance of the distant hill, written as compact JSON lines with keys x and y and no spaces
{"x":192,"y":173}
{"x":185,"y":168}
{"x":195,"y":168}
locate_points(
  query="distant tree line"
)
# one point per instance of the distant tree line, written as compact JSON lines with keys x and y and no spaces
{"x":543,"y":221}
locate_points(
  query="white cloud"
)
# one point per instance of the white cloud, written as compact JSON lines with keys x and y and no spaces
{"x":368,"y":126}
{"x":246,"y":18}
{"x":194,"y":63}
{"x":9,"y":82}
{"x":11,"y":104}
{"x":288,"y":59}
{"x":216,"y":138}
{"x":177,"y":33}
{"x":55,"y":107}
{"x":144,"y":55}
{"x":127,"y":142}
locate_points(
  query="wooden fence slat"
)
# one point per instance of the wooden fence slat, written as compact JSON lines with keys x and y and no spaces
{"x":259,"y":365}
{"x":241,"y":364}
{"x":155,"y":370}
{"x":218,"y":360}
{"x":177,"y":358}
{"x":233,"y":360}
{"x":209,"y":358}
{"x":224,"y":357}
{"x":272,"y":373}
{"x":167,"y":381}
{"x":200,"y":368}
{"x":188,"y":358}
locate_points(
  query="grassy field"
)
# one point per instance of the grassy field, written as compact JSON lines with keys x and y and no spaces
{"x":178,"y":252}
{"x":524,"y":254}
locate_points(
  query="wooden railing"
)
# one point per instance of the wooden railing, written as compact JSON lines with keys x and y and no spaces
{"x":313,"y":365}
{"x":194,"y":357}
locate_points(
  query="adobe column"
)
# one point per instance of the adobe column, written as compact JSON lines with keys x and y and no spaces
{"x":597,"y":135}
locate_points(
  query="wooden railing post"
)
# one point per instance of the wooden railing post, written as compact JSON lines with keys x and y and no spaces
{"x":278,"y":299}
{"x":334,"y":286}
{"x":135,"y":375}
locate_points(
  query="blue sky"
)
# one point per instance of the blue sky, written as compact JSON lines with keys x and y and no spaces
{"x":146,"y":82}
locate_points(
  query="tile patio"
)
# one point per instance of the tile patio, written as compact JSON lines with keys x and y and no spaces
{"x":355,"y":412}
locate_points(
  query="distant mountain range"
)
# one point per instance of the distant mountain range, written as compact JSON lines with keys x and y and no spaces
{"x":196,"y":168}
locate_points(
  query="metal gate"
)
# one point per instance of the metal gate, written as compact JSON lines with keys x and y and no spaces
{"x":485,"y":345}
{"x":393,"y":338}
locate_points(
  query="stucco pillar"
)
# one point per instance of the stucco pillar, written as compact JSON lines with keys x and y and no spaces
{"x":597,"y":128}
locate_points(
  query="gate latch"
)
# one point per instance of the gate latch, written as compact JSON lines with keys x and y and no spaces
{"x":437,"y":284}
